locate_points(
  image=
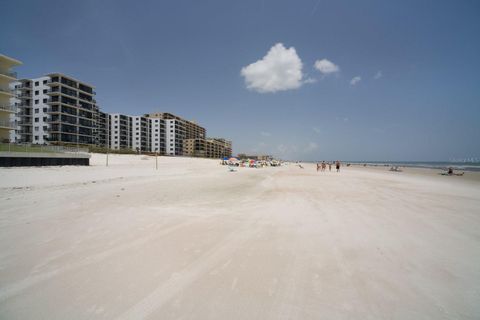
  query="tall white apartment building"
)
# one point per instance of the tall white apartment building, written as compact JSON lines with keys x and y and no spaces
{"x":7,"y":96}
{"x":157,"y":135}
{"x":120,"y":131}
{"x":33,"y":119}
{"x":56,"y":109}
{"x":129,"y":132}
{"x":141,"y":133}
{"x":162,"y":133}
{"x":174,"y":136}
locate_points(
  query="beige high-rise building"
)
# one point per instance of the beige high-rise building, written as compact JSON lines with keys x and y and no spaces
{"x":7,"y":95}
{"x":207,"y":148}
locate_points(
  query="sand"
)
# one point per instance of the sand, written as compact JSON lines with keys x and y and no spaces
{"x":194,"y":241}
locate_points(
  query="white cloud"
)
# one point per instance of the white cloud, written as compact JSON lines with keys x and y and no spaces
{"x":316,"y":130}
{"x":326,"y":66}
{"x":312,"y":146}
{"x":265,"y":134}
{"x":355,"y":80}
{"x":378,"y":75}
{"x":280,"y":69}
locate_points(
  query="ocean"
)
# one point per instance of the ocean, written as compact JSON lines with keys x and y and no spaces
{"x":463,"y":166}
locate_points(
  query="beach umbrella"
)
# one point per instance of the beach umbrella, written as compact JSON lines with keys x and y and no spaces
{"x":232,"y":159}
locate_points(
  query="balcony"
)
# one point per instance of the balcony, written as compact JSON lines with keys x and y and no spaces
{"x":7,"y":124}
{"x":25,"y":131}
{"x":51,"y":92}
{"x":8,"y":108}
{"x":8,"y":92}
{"x":23,"y":123}
{"x":53,"y":82}
{"x":52,"y":101}
{"x":24,"y":86}
{"x":9,"y":74}
{"x":24,"y":95}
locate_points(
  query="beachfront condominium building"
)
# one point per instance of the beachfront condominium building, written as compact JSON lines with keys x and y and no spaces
{"x":7,"y":96}
{"x":157,"y":135}
{"x":120,"y":131}
{"x":141,"y":136}
{"x":101,"y":132}
{"x":224,"y":146}
{"x":178,"y":129}
{"x":130,"y":132}
{"x":56,"y":109}
{"x":207,"y":148}
{"x":174,"y":136}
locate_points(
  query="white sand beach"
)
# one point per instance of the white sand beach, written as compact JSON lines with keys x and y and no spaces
{"x":194,"y":241}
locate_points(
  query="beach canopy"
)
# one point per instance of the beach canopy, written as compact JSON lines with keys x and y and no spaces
{"x":233,"y":159}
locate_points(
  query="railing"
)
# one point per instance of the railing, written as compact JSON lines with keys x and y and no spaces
{"x":24,"y":95}
{"x":10,"y":74}
{"x":23,"y":87}
{"x":28,"y":147}
{"x":7,"y":123}
{"x":8,"y":108}
{"x":7,"y":90}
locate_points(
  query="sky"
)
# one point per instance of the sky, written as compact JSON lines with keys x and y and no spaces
{"x":302,"y":80}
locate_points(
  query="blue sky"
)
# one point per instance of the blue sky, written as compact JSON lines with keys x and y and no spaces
{"x":418,"y":97}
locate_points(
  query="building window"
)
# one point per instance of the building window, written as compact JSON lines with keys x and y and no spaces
{"x":45,"y":101}
{"x":37,"y":83}
{"x":45,"y":91}
{"x":45,"y":128}
{"x":36,"y":128}
{"x":36,"y":101}
{"x":36,"y":92}
{"x":36,"y":119}
{"x":36,"y":110}
{"x":44,"y":119}
{"x":45,"y":137}
{"x":44,"y":109}
{"x":44,"y":81}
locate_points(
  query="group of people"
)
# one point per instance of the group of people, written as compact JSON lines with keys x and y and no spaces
{"x":323,"y":166}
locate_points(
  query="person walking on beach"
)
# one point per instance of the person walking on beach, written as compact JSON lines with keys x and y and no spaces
{"x":329,"y":166}
{"x":324,"y":166}
{"x":337,"y":165}
{"x":318,"y":166}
